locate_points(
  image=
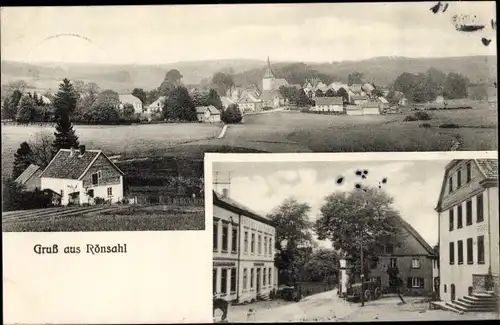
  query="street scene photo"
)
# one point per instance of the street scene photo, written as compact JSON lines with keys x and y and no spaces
{"x":354,"y":240}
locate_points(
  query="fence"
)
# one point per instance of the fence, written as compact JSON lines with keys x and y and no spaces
{"x":168,"y":200}
{"x":311,"y":288}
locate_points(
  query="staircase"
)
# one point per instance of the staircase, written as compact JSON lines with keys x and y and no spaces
{"x":263,"y":297}
{"x":477,"y":302}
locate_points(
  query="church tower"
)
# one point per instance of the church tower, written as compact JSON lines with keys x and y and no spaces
{"x":268,"y":79}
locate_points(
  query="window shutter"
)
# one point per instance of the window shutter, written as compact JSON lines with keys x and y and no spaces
{"x":409,"y":282}
{"x":422,"y":283}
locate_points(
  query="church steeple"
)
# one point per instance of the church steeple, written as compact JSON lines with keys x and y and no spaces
{"x":269,"y":72}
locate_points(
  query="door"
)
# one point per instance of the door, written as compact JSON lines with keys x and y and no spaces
{"x":258,"y":281}
{"x":453,"y":292}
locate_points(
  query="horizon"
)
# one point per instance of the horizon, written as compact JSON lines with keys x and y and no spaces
{"x":173,"y":34}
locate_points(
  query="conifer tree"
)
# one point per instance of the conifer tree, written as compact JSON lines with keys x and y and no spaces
{"x":22,"y":159}
{"x":64,"y":105}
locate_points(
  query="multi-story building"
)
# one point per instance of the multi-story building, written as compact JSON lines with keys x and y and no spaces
{"x":468,"y":227}
{"x":243,"y":248}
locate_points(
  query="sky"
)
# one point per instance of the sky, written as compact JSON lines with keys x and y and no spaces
{"x":285,"y":32}
{"x":262,"y":186}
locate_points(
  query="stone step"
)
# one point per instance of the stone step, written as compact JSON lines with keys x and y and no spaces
{"x":473,"y":299}
{"x":472,"y":303}
{"x":484,"y":295}
{"x":465,"y":309}
{"x":452,"y":308}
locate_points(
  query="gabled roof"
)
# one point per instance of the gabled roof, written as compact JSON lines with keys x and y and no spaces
{"x":383,"y":100}
{"x":65,"y":165}
{"x":210,"y":108}
{"x":357,"y":88}
{"x":27,"y":173}
{"x":226,"y":101}
{"x":329,"y":101}
{"x":160,"y":100}
{"x":128,"y":99}
{"x":488,"y":167}
{"x":232,"y":205}
{"x":368,"y":87}
{"x":417,"y":236}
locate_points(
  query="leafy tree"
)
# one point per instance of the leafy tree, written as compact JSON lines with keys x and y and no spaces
{"x":27,"y":110}
{"x":128,"y":110}
{"x":10,"y":104}
{"x":322,"y":265}
{"x":405,"y":84}
{"x":455,"y":86}
{"x":292,"y":231}
{"x":141,"y":94}
{"x":108,"y":98}
{"x":343,"y":93}
{"x":41,"y":146}
{"x":222,"y":82}
{"x":377,"y":93}
{"x":152,"y":95}
{"x":179,"y":105}
{"x":330,"y":93}
{"x":437,"y":78}
{"x":355,"y":78}
{"x":88,"y":96}
{"x":319,"y":93}
{"x":213,"y":98}
{"x":173,"y":79}
{"x":102,"y":113}
{"x":200,"y":98}
{"x":22,"y":159}
{"x":232,"y":114}
{"x":302,"y":98}
{"x":12,"y":194}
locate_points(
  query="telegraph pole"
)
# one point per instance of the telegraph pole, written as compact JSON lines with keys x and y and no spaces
{"x":362,"y":270}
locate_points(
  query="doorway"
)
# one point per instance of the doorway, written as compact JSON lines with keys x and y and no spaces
{"x":470,"y":290}
{"x":258,"y":281}
{"x":452,"y":291}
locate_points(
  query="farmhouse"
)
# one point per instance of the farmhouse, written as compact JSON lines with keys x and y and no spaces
{"x":208,"y":114}
{"x":328,"y":104}
{"x":359,"y":99}
{"x":468,"y":227}
{"x":130,"y":99}
{"x":30,"y":177}
{"x":80,"y":176}
{"x":371,"y":108}
{"x":353,"y":110}
{"x":414,"y":259}
{"x":156,"y":106}
{"x":243,"y":252}
{"x":249,"y":103}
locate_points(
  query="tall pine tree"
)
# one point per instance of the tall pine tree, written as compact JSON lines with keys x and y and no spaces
{"x":22,"y":159}
{"x":64,"y":104}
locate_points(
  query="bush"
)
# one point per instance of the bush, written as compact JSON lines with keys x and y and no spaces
{"x":410,"y":118}
{"x":232,"y":115}
{"x":99,"y":200}
{"x":449,"y":126}
{"x":425,"y":125}
{"x":422,"y":116}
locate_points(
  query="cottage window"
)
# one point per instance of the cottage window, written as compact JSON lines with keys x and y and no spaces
{"x":468,"y":172}
{"x":216,"y":235}
{"x":245,"y":279}
{"x":480,"y":250}
{"x":459,"y":216}
{"x":444,"y":287}
{"x":99,"y":174}
{"x":223,"y":281}
{"x":415,"y":282}
{"x":265,"y":245}
{"x":234,"y":240}
{"x":450,"y":213}
{"x":452,"y":253}
{"x":460,"y":249}
{"x":252,"y":244}
{"x":468,"y":213}
{"x":479,"y":208}
{"x":415,"y":263}
{"x":233,"y":280}
{"x":470,"y":252}
{"x":392,"y":262}
{"x":459,"y":178}
{"x":224,"y":237}
{"x":95,"y":179}
{"x":214,"y":281}
{"x":246,"y":242}
{"x":62,"y":193}
{"x":110,"y":191}
{"x":251,"y":278}
{"x":450,"y":184}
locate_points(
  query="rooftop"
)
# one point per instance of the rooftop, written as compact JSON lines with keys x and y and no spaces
{"x":329,"y":101}
{"x":226,"y":202}
{"x":210,"y":108}
{"x":27,"y":173}
{"x":128,"y":99}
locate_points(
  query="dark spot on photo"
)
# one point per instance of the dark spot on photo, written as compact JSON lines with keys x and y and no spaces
{"x":445,"y":7}
{"x":485,"y":41}
{"x":384,"y":180}
{"x":359,"y":172}
{"x":357,"y":186}
{"x":436,"y":7}
{"x":365,"y":172}
{"x":340,"y":180}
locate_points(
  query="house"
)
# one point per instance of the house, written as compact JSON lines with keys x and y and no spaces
{"x":156,"y":106}
{"x":353,"y":110}
{"x":249,"y":103}
{"x":337,"y":85}
{"x":413,"y":257}
{"x":130,"y":99}
{"x":80,"y":176}
{"x":371,"y":108}
{"x":359,"y":99}
{"x":270,"y":95}
{"x":30,"y":177}
{"x":329,"y":104}
{"x":226,"y":102}
{"x":367,"y":88}
{"x":243,"y":252}
{"x":468,"y":227}
{"x":208,"y":114}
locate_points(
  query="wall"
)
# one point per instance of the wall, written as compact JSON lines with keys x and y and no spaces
{"x":57,"y":185}
{"x":110,"y":178}
{"x":34,"y":181}
{"x":371,"y":111}
{"x":492,"y":204}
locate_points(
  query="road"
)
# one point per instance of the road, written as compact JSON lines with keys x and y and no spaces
{"x":328,"y":307}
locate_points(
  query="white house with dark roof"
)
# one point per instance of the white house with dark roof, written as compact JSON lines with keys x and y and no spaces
{"x":81,"y":175}
{"x":156,"y":106}
{"x":130,"y":99}
{"x":468,"y":228}
{"x":30,"y":177}
{"x":208,"y":114}
{"x":328,"y":104}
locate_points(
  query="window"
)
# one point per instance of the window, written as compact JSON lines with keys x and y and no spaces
{"x":389,"y":249}
{"x":264,"y":276}
{"x":90,"y":193}
{"x":392,"y":262}
{"x":452,"y":253}
{"x":223,"y":281}
{"x":479,"y":208}
{"x":224,"y":238}
{"x":99,"y":175}
{"x":233,"y":280}
{"x":470,"y":253}
{"x":214,"y":281}
{"x":259,"y":245}
{"x":450,"y":184}
{"x":62,"y":193}
{"x":415,"y":263}
{"x":95,"y":179}
{"x":110,"y":191}
{"x":468,"y":172}
{"x":415,"y":282}
{"x":265,"y":245}
{"x":245,"y":279}
{"x":252,"y":244}
{"x":234,"y":240}
{"x":270,"y":246}
{"x":468,"y":213}
{"x":459,"y":178}
{"x":444,"y":287}
{"x":480,"y":250}
{"x":459,"y":216}
{"x":450,"y":212}
{"x":251,"y":278}
{"x":270,"y":276}
{"x":246,"y":241}
{"x":216,"y":235}
{"x":460,"y":249}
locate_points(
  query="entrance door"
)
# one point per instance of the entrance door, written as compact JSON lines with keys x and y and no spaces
{"x":258,"y":281}
{"x":453,"y":292}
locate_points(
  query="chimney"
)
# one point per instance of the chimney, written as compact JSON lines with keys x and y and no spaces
{"x":225,"y":193}
{"x":82,"y":150}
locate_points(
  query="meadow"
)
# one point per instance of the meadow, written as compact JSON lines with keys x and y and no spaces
{"x":130,"y":218}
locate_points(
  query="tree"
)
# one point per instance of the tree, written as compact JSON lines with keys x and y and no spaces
{"x":128,"y":110}
{"x":173,"y":79}
{"x":355,"y":78}
{"x":455,"y":86}
{"x":102,"y":113}
{"x":64,"y":104}
{"x":213,"y":98}
{"x":179,"y":105}
{"x":405,"y":84}
{"x":10,"y":105}
{"x":377,"y":93}
{"x":152,"y":95}
{"x":359,"y":217}
{"x":12,"y":195}
{"x":27,"y":110}
{"x":437,"y":78}
{"x":65,"y":99}
{"x":108,"y":98}
{"x":232,"y":114}
{"x":343,"y":93}
{"x":141,"y":94}
{"x":200,"y":98}
{"x":322,"y":265}
{"x":292,"y":231}
{"x":319,"y":93}
{"x":330,"y":93}
{"x":41,"y":146}
{"x":222,"y":82}
{"x":22,"y":159}
{"x":88,"y":96}
{"x":302,"y":98}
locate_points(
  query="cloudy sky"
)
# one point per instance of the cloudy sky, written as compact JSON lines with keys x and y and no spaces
{"x":262,"y":186}
{"x":285,"y":32}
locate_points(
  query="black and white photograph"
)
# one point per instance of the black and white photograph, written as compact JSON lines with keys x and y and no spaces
{"x":345,"y":239}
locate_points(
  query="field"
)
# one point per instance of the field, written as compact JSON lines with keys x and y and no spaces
{"x":105,"y":218}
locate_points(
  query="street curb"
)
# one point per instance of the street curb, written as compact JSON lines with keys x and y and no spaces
{"x":223,"y":132}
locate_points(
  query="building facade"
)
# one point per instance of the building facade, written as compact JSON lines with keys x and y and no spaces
{"x":468,"y":227}
{"x":208,"y":114}
{"x":132,"y":100}
{"x":328,"y":104}
{"x":243,"y":248}
{"x":30,"y":177}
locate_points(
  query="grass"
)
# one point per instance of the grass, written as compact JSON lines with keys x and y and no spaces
{"x":135,"y":218}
